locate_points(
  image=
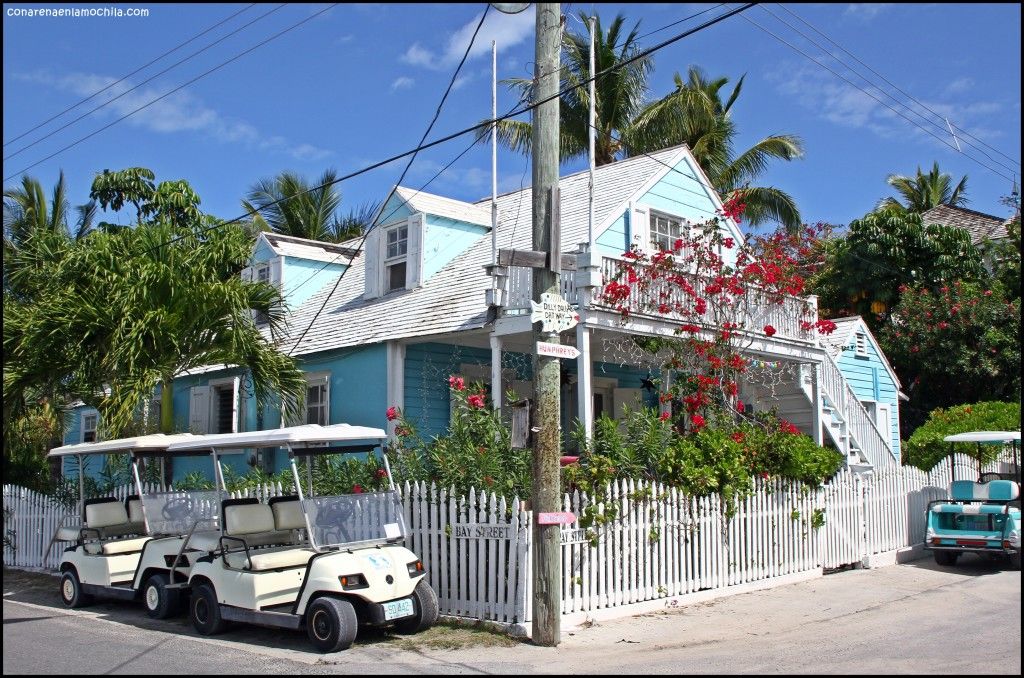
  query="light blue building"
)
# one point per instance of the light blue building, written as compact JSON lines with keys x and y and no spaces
{"x":428,"y":296}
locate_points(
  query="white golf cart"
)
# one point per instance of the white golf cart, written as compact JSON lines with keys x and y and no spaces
{"x":122,"y":549}
{"x":327,"y":563}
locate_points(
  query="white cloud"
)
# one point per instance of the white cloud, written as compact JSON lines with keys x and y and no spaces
{"x":402,"y":82}
{"x":507,"y":30}
{"x":177,"y":113}
{"x":866,"y":11}
{"x":461,"y":81}
{"x":845,"y":105}
{"x":344,"y":39}
{"x":960,"y":85}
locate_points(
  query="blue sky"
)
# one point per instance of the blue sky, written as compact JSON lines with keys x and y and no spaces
{"x":359,"y":83}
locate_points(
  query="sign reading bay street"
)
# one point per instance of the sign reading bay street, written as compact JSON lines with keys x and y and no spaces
{"x":483,"y":531}
{"x":557,"y":350}
{"x":554,"y":313}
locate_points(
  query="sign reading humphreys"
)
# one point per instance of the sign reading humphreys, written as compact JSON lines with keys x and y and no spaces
{"x":483,"y":531}
{"x":554,"y":313}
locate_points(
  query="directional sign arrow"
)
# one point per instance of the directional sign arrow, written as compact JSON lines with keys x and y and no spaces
{"x":554,"y":313}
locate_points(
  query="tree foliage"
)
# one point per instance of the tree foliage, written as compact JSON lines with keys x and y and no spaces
{"x":926,"y":446}
{"x":925,"y":191}
{"x":883,"y":250}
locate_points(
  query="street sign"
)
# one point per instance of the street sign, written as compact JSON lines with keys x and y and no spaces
{"x":554,"y":313}
{"x":557,"y":350}
{"x":559,"y":518}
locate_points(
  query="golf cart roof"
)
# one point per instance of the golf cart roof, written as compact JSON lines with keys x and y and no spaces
{"x":991,"y":437}
{"x":280,"y":437}
{"x":156,"y":442}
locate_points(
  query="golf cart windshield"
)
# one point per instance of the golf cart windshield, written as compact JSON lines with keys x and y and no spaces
{"x":178,"y":511}
{"x":355,"y":519}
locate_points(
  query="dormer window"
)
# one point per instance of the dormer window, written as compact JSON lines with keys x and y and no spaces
{"x":395,"y":257}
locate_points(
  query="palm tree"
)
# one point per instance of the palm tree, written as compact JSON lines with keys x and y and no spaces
{"x":620,"y":95}
{"x":130,"y":308}
{"x":695,"y":114}
{"x":925,"y":191}
{"x":288,"y":205}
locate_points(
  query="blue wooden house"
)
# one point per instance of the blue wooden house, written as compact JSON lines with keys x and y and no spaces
{"x":423,"y":300}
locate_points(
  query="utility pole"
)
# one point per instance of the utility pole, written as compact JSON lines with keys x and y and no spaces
{"x":547,"y":493}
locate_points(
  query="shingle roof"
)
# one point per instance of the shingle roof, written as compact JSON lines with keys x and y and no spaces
{"x":290,"y":246}
{"x":981,"y":226}
{"x":428,"y":203}
{"x":453,"y":298}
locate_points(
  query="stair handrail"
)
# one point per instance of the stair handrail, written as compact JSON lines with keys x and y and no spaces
{"x":876,"y":447}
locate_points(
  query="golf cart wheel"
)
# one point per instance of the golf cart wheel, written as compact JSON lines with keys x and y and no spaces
{"x":71,"y":593}
{"x":161,"y":602}
{"x":1015,"y":561}
{"x":205,"y":611}
{"x":331,"y":624}
{"x":425,"y":602}
{"x":946,"y":557}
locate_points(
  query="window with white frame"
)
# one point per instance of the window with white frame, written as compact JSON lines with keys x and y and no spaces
{"x":396,"y":249}
{"x":318,"y":405}
{"x":90,"y":421}
{"x":664,"y":230}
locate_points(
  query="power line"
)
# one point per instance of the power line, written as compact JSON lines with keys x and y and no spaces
{"x":898,"y":89}
{"x":132,"y":89}
{"x":163,"y":96}
{"x":140,"y":68}
{"x":858,"y":87}
{"x":872,"y":84}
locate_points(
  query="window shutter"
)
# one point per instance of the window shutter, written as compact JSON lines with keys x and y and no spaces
{"x":640,"y":227}
{"x":234,"y":404}
{"x":199,"y":409}
{"x":246,"y":274}
{"x":277,"y":272}
{"x":372,"y":263}
{"x":414,"y":260}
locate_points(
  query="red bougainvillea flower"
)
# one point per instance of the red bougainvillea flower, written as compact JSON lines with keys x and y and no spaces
{"x":457,"y":383}
{"x":740,"y":406}
{"x":357,"y":489}
{"x":698,"y":422}
{"x":769,"y":330}
{"x":764,"y":474}
{"x":738,"y":436}
{"x":392,"y":413}
{"x":664,"y":416}
{"x":788,"y":427}
{"x":381,"y":473}
{"x":476,"y":401}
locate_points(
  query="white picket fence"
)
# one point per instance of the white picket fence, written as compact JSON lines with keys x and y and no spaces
{"x":660,"y":545}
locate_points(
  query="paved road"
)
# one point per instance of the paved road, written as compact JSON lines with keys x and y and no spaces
{"x":911,"y":618}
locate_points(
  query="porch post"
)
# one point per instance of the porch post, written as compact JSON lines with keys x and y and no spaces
{"x":666,"y":384}
{"x":816,"y":411}
{"x":584,"y":369}
{"x":396,"y":378}
{"x":496,"y":371}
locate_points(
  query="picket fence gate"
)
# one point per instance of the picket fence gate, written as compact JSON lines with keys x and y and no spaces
{"x":661,"y":544}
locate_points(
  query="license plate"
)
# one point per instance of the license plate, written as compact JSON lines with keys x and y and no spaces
{"x":397,"y":609}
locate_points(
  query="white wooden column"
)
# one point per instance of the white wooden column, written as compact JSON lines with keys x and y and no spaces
{"x":396,"y":378}
{"x":584,"y":368}
{"x":666,"y":384}
{"x":816,"y":411}
{"x":496,"y":372}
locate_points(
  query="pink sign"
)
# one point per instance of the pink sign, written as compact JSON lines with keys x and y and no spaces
{"x":560,"y":518}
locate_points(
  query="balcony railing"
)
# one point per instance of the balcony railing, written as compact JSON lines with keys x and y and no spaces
{"x":753,"y":312}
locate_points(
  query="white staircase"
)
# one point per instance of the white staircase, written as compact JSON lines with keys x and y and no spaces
{"x":844,"y":420}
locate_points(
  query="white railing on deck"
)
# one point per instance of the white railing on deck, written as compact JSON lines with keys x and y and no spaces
{"x":520,"y":288}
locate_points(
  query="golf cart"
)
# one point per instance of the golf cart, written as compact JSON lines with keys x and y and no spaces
{"x":120,"y":549}
{"x":979,"y":517}
{"x":327,"y":563}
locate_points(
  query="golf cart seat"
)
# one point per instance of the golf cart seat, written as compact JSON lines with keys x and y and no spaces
{"x":106,"y":520}
{"x":253,"y":524}
{"x":994,"y":490}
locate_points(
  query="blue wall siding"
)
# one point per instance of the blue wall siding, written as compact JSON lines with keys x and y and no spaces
{"x":427,"y":368}
{"x":870,"y":380}
{"x":444,"y":239}
{"x":395,"y":210}
{"x":615,"y":239}
{"x":303,"y":278}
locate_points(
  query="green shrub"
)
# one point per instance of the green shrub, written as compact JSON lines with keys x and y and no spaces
{"x":926,"y":446}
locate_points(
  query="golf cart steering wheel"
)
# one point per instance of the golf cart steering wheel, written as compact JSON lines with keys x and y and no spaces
{"x":333,"y":514}
{"x":177,"y":508}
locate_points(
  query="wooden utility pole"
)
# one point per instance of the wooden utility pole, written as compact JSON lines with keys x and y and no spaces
{"x":547,"y":561}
